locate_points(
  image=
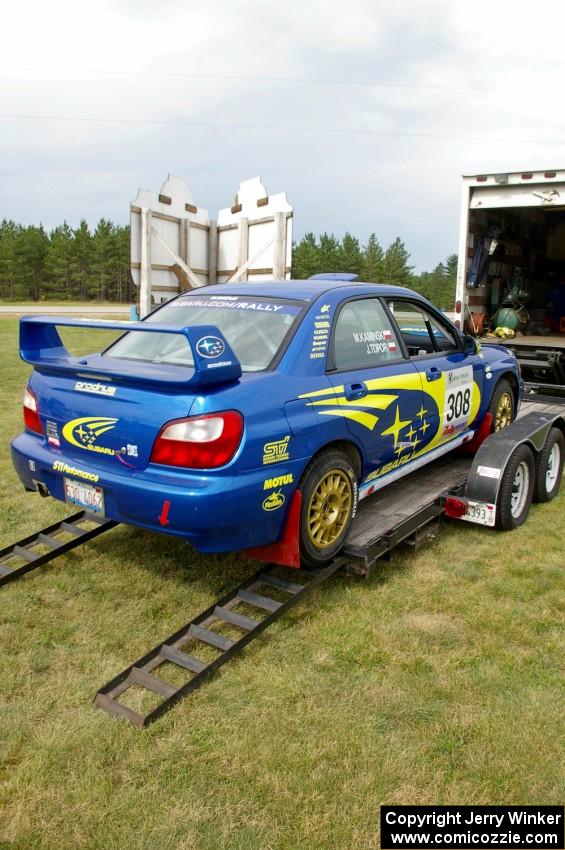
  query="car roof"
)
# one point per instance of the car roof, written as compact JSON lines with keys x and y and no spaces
{"x":305,"y":290}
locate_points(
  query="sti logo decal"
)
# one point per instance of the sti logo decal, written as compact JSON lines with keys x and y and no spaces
{"x":210,"y":347}
{"x":84,"y":433}
{"x":276,"y":451}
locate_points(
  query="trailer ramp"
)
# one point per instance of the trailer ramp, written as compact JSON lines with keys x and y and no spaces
{"x":261,"y":610}
{"x":37,"y":549}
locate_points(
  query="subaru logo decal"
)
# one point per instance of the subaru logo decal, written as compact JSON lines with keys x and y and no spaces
{"x":210,"y":347}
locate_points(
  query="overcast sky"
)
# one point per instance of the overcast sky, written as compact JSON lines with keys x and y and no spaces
{"x":365,"y":113}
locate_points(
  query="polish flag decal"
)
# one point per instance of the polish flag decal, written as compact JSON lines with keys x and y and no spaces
{"x":390,"y":341}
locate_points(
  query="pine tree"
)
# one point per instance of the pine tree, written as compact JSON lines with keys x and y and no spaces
{"x":59,"y":263}
{"x":82,"y":260}
{"x":373,"y":261}
{"x":122,"y":274}
{"x":8,"y":235}
{"x":350,"y":256}
{"x":396,"y":268}
{"x":329,"y":253}
{"x":30,"y":253}
{"x":102,"y":244}
{"x":305,"y":257}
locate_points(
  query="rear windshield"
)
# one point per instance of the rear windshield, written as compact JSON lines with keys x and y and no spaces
{"x":254,"y":328}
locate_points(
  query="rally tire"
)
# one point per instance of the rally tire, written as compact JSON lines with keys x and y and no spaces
{"x":502,"y":406}
{"x":329,"y":502}
{"x":549,"y":467}
{"x":516,"y":489}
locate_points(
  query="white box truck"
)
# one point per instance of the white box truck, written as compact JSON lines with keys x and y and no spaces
{"x":511,"y":271}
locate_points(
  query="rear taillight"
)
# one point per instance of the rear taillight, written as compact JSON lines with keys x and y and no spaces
{"x":31,"y":413}
{"x":455,"y":508}
{"x":199,"y":442}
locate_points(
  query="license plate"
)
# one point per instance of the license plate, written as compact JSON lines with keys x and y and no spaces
{"x":481,"y":513}
{"x":84,"y":496}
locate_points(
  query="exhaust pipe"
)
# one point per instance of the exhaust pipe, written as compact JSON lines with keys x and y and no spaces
{"x":42,"y":489}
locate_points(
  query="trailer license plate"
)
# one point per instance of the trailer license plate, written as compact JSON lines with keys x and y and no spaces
{"x":481,"y":513}
{"x":84,"y":496}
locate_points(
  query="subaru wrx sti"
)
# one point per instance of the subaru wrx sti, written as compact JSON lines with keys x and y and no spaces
{"x":235,"y":409}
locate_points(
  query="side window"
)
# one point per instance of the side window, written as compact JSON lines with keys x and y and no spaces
{"x":363,"y":336}
{"x":421,"y":331}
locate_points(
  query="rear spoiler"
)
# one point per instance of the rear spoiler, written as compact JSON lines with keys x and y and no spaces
{"x":214,"y":359}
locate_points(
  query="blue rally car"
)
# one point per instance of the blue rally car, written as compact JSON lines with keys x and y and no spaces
{"x":242,"y":416}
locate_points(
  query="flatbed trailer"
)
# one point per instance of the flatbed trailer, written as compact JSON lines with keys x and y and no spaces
{"x":408,"y":511}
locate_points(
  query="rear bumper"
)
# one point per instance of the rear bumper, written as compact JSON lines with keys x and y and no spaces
{"x":214,"y":512}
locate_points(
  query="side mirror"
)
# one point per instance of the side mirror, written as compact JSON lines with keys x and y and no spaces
{"x":469,"y":344}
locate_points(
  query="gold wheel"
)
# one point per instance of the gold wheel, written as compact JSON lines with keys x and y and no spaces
{"x":504,"y":408}
{"x":329,"y":508}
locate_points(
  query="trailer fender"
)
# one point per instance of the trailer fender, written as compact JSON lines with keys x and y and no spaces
{"x":491,"y":459}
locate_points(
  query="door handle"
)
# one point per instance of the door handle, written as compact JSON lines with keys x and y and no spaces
{"x":433,"y":373}
{"x":353,"y":392}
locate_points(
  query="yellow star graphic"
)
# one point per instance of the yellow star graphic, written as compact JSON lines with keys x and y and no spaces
{"x":424,"y":426}
{"x":421,"y":413}
{"x":411,"y":433}
{"x":396,"y":427}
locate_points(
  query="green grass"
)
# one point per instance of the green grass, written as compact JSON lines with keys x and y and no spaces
{"x":48,"y":303}
{"x":439,"y":680}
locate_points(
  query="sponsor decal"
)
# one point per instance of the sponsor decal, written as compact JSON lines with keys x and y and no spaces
{"x":97,"y":388}
{"x":31,"y":464}
{"x":217,"y":365}
{"x":210,"y":347}
{"x":235,"y":303}
{"x":129,"y":449}
{"x":355,"y":499}
{"x":274,"y":501}
{"x":52,"y":433}
{"x":276,"y":451}
{"x":85,"y":431}
{"x":320,"y":334}
{"x":61,"y":466}
{"x":279,"y":481}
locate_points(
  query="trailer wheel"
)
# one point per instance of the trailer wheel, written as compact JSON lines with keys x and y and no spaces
{"x":502,"y":406}
{"x":516,"y":489}
{"x":549,"y":467}
{"x":329,"y":502}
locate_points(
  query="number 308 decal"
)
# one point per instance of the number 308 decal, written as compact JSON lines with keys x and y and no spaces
{"x":458,"y":404}
{"x":458,"y":397}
